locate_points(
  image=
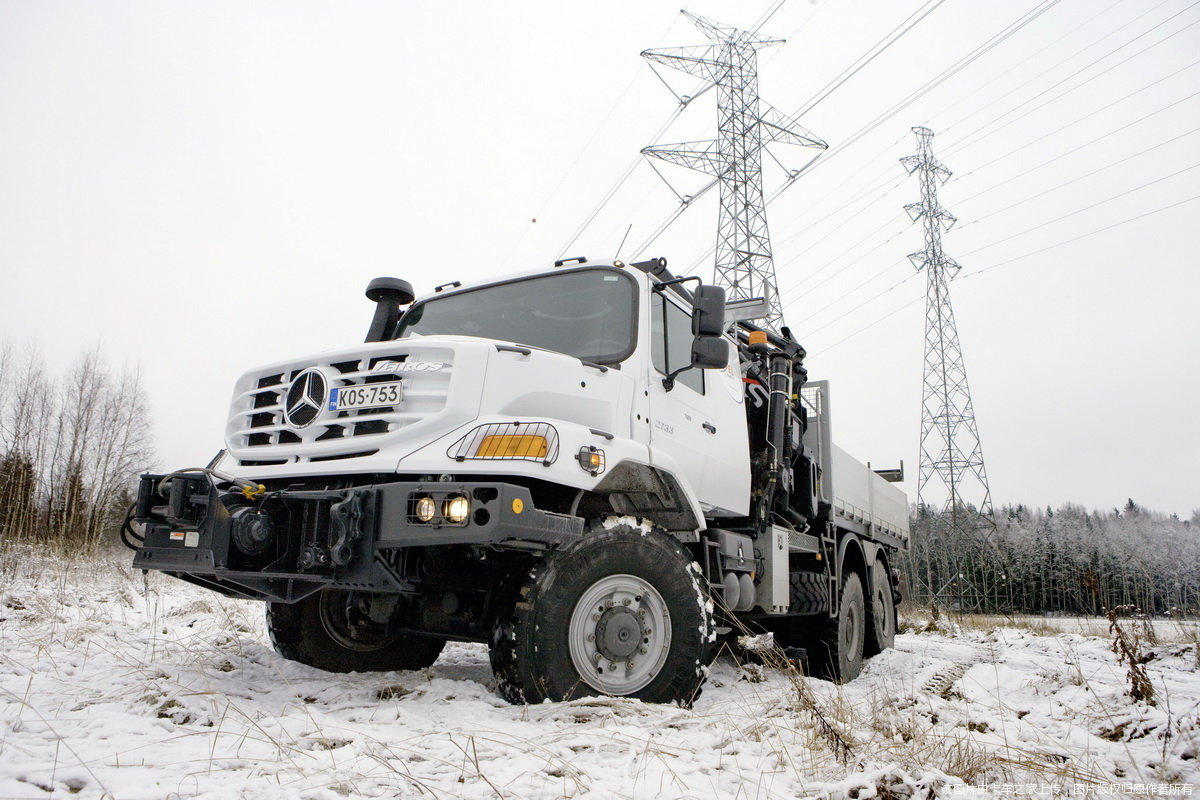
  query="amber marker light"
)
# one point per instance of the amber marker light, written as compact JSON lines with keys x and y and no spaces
{"x":513,"y":446}
{"x":591,"y":459}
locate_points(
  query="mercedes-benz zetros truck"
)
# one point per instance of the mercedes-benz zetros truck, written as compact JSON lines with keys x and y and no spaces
{"x":596,"y":469}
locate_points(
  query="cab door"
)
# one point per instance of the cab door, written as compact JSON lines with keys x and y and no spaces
{"x":698,"y":428}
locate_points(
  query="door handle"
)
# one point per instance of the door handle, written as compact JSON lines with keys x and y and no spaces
{"x":708,"y":426}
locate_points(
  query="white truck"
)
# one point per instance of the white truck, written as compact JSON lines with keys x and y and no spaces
{"x":592,"y":468}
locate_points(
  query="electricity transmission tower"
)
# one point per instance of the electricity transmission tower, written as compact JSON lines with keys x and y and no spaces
{"x":953,"y":482}
{"x":745,"y":123}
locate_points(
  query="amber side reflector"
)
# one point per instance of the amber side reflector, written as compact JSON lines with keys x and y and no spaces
{"x":508,"y":446}
{"x":758,"y":337}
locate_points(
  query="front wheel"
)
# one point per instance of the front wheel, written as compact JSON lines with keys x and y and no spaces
{"x":341,"y":631}
{"x":620,"y":612}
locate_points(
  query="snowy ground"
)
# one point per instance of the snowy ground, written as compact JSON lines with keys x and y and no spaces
{"x":119,"y":687}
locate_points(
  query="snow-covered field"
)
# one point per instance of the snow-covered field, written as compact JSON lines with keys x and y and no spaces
{"x":116,"y":686}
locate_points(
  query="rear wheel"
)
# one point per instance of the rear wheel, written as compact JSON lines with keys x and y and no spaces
{"x":620,"y":612}
{"x":809,"y":592}
{"x":881,"y":612}
{"x":838,"y":654}
{"x":336,"y":631}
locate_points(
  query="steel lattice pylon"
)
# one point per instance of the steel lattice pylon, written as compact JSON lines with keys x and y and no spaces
{"x":744,"y":264}
{"x":953,"y":480}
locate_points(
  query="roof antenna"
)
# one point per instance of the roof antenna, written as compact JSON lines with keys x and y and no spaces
{"x":622,"y":244}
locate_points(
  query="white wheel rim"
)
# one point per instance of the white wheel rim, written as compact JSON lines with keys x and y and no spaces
{"x":620,"y":634}
{"x":883,"y":616}
{"x":852,"y":632}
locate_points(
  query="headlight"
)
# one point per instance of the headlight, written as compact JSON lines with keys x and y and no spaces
{"x":456,"y":508}
{"x":511,"y":441}
{"x":425,"y":509}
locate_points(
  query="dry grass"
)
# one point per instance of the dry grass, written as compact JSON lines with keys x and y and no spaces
{"x":1155,"y":630}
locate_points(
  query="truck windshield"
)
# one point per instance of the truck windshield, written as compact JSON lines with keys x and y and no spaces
{"x":589,"y":314}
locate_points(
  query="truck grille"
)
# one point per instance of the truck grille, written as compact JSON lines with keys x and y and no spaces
{"x":259,"y":431}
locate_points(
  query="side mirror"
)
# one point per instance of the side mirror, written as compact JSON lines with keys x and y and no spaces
{"x":709,"y":348}
{"x":388,"y":294}
{"x":710,"y":352}
{"x":708,"y":311}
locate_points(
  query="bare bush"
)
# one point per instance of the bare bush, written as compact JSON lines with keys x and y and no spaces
{"x":69,"y":448}
{"x":1127,"y":644}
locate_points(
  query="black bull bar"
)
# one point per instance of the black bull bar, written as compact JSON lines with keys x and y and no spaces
{"x":285,"y":543}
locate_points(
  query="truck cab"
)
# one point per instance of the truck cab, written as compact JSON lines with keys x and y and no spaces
{"x":595,"y":469}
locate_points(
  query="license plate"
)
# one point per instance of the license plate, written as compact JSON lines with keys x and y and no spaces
{"x":370,"y":395}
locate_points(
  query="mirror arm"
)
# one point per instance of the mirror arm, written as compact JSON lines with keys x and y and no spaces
{"x":669,"y":381}
{"x":658,"y":287}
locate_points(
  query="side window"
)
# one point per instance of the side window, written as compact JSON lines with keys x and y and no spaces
{"x":671,"y":342}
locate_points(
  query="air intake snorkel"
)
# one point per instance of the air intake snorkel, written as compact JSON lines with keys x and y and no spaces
{"x":388,"y":294}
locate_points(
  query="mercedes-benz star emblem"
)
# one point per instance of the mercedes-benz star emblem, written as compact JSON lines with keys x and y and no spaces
{"x":305,"y":398}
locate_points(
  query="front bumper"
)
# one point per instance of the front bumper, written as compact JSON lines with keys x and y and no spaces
{"x":294,"y":541}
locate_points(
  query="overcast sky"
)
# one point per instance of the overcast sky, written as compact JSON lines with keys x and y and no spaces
{"x":202,"y":187}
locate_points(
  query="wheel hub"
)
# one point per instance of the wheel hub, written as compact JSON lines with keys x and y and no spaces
{"x":346,"y":617}
{"x":619,"y":633}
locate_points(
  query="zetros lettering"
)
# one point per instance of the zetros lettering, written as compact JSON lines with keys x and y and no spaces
{"x":407,"y":366}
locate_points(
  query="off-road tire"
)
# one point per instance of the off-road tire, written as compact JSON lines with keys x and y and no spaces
{"x":533,"y":643}
{"x":881,"y":612}
{"x":305,"y":631}
{"x":838,"y":653}
{"x":809,"y":592}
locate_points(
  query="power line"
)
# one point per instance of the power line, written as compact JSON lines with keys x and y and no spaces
{"x":1090,"y":45}
{"x":875,"y":188}
{"x":1085,"y":208}
{"x":874,"y":52}
{"x":796,"y":287}
{"x":1105,"y":107}
{"x":972,"y":273}
{"x":954,"y":69}
{"x":1081,"y":236}
{"x":868,"y":326}
{"x":1098,"y":170}
{"x":966,"y":140}
{"x":869,"y":300}
{"x":859,"y":241}
{"x":999,"y":242}
{"x":949,"y":72}
{"x":615,"y":187}
{"x":811,"y":287}
{"x":833,"y":304}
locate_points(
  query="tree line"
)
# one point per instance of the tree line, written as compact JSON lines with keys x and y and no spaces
{"x":1065,"y":560}
{"x":70,"y":447}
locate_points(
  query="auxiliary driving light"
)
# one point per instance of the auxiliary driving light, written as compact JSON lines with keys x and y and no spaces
{"x":425,"y":509}
{"x":456,"y":508}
